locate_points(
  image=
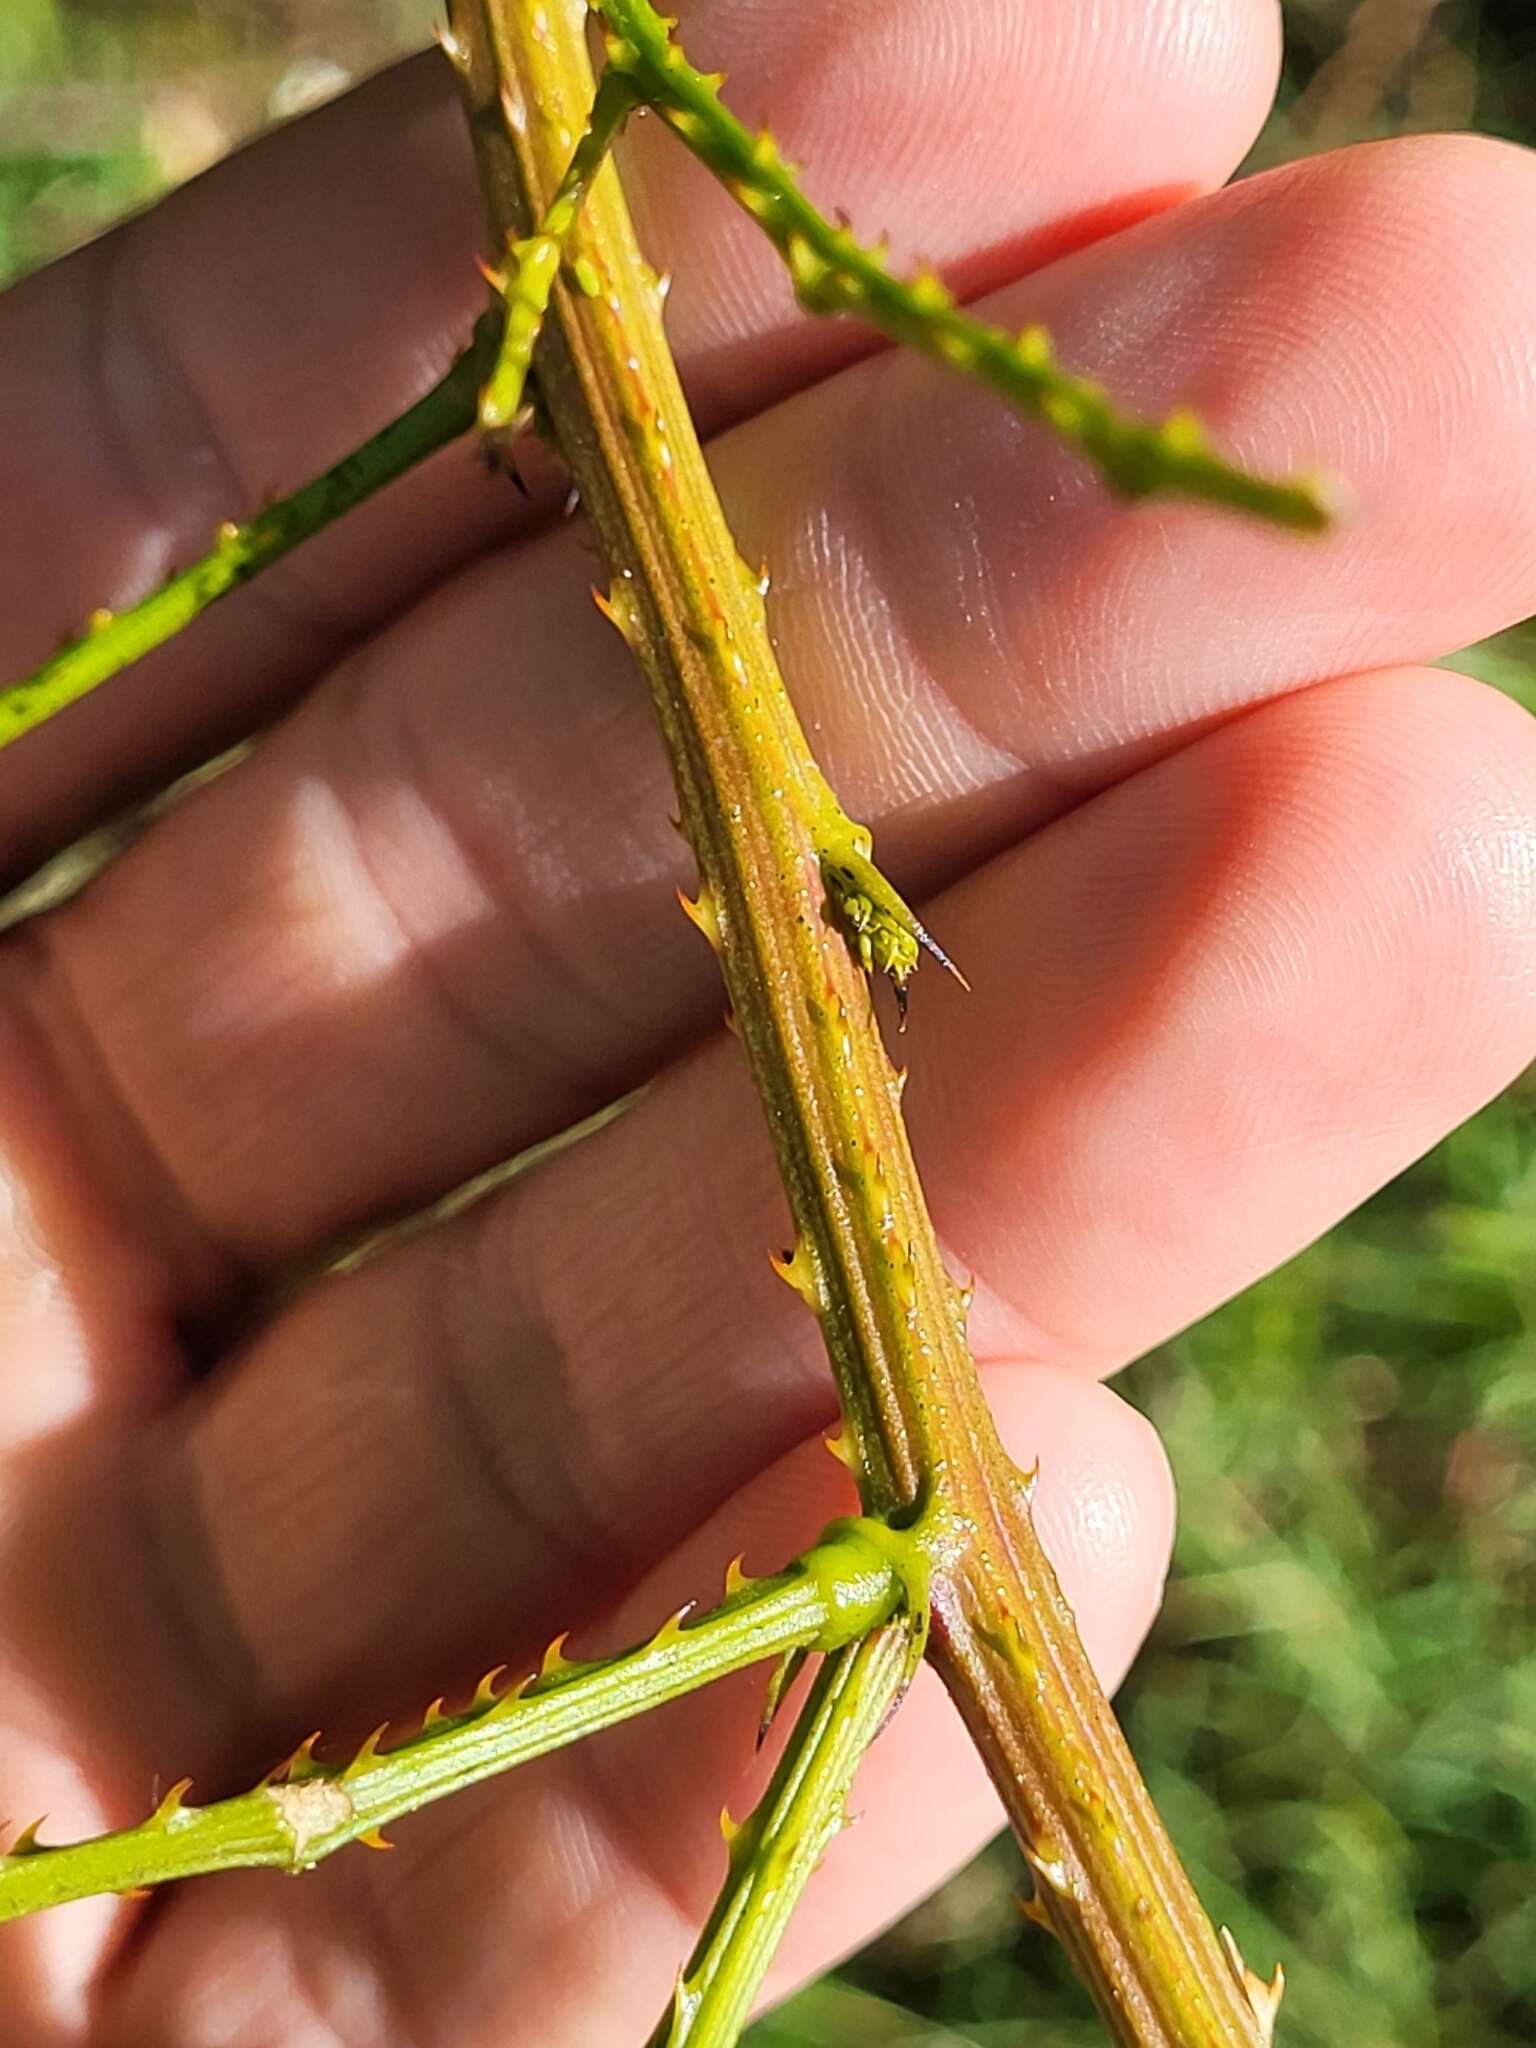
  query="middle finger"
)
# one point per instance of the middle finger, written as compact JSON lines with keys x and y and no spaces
{"x":433,"y":916}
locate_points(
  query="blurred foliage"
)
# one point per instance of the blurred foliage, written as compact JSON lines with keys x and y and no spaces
{"x":1337,"y":1710}
{"x":104,"y":103}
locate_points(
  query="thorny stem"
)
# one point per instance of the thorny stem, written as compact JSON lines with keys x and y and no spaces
{"x":833,"y":273}
{"x":758,"y":815}
{"x":533,"y":261}
{"x":775,"y":1851}
{"x":851,"y":1582}
{"x":113,"y":641}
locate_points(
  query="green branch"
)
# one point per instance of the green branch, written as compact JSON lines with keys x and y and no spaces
{"x":113,"y":641}
{"x":533,"y":261}
{"x":833,"y":273}
{"x":776,"y":1850}
{"x":852,"y":1581}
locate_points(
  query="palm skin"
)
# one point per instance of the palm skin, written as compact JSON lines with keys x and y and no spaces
{"x":1249,"y":905}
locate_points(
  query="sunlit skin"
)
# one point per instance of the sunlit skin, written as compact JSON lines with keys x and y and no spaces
{"x":1247,"y":900}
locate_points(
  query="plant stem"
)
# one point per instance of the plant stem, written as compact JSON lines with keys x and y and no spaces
{"x":774,"y":1853}
{"x":113,"y":641}
{"x":533,"y":261}
{"x":833,"y":273}
{"x":756,"y":810}
{"x":852,"y":1581}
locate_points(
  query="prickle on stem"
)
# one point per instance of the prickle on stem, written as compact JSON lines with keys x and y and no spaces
{"x":1034,"y":1912}
{"x":294,"y":1769}
{"x":799,"y":1270}
{"x":736,"y":1580}
{"x":173,"y":1803}
{"x":367,"y":1752}
{"x":843,"y":1450}
{"x":617,"y":606}
{"x":554,"y":1661}
{"x":702,"y":913}
{"x":486,"y":1694}
{"x":1264,"y":1999}
{"x":784,"y":1674}
{"x":451,"y":47}
{"x":672,"y":1628}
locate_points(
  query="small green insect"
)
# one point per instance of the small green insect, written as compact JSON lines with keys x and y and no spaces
{"x":886,"y":938}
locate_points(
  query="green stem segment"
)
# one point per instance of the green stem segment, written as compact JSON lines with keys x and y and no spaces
{"x":533,"y":261}
{"x":833,"y":273}
{"x":115,"y":640}
{"x":774,"y":1853}
{"x":851,"y":1582}
{"x":920,"y":1438}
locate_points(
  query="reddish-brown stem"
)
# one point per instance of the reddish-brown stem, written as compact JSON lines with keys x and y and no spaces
{"x":760,"y":819}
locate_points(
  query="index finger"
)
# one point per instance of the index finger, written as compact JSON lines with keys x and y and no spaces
{"x":274,"y":314}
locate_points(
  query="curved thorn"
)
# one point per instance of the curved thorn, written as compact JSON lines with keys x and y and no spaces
{"x":672,"y":1627}
{"x":842,"y":1450}
{"x":736,"y":1580}
{"x":702,"y":914}
{"x":555,"y":1660}
{"x":450,"y":46}
{"x":1263,"y":1999}
{"x":172,"y":1803}
{"x":493,"y":277}
{"x":513,"y":1693}
{"x":486,"y":1694}
{"x":26,"y":1843}
{"x":367,"y":1753}
{"x":785,"y":1672}
{"x":301,"y":1765}
{"x":799,"y":1271}
{"x":1035,"y":1913}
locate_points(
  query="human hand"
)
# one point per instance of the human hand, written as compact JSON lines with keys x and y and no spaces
{"x":1240,"y":949}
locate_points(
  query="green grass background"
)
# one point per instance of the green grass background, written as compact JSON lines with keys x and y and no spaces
{"x":1337,"y":1711}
